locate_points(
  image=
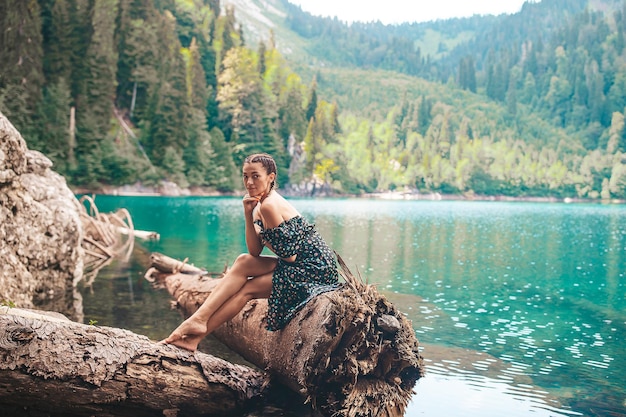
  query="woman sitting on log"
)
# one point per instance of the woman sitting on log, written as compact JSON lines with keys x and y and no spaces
{"x":304,"y":266}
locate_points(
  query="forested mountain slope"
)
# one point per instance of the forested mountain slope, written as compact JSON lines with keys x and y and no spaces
{"x":136,"y":90}
{"x":548,"y":76}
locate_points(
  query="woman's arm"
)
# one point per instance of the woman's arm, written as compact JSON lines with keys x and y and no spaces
{"x":253,"y":242}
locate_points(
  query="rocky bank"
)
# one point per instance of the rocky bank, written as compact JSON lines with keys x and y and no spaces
{"x":41,"y":258}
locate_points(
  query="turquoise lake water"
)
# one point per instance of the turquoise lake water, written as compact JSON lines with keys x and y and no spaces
{"x":520,"y":308}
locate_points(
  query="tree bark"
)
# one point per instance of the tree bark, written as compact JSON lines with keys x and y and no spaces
{"x":50,"y":365}
{"x":349,"y":352}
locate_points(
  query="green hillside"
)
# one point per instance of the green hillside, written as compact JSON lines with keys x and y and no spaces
{"x":513,"y":89}
{"x":127,"y":91}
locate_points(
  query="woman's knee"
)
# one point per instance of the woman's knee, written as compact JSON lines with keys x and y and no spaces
{"x":243,"y":260}
{"x":241,"y":266}
{"x":254,"y":265}
{"x":248,"y":266}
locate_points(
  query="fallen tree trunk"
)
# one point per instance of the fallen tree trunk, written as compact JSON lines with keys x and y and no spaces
{"x":349,"y":352}
{"x":50,"y":365}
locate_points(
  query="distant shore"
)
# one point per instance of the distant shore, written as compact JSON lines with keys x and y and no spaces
{"x":167,"y":189}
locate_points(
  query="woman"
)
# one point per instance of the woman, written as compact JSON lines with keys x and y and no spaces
{"x":304,"y":266}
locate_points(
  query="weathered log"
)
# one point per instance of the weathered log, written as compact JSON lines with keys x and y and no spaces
{"x":49,"y":364}
{"x":349,"y":352}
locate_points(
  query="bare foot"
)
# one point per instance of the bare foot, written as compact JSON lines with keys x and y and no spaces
{"x":188,"y":335}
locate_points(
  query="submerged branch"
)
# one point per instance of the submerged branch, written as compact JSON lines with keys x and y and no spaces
{"x":106,"y":236}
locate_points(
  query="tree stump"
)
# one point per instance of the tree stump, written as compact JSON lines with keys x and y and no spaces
{"x":349,"y":352}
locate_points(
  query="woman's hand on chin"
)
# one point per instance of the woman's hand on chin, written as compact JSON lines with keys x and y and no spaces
{"x":250,"y":202}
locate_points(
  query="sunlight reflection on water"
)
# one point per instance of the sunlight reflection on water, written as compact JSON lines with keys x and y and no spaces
{"x":440,"y":394}
{"x":468,"y":382}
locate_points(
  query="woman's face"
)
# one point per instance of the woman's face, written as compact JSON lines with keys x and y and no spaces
{"x":256,"y":179}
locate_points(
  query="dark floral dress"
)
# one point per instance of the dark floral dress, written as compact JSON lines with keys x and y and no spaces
{"x":295,"y":283}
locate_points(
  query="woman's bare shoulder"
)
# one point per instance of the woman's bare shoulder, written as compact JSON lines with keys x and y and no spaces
{"x":278,"y":209}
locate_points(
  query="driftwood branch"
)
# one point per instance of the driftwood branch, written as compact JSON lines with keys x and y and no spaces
{"x":349,"y":352}
{"x":107,"y":236}
{"x":48,"y":363}
{"x":168,"y":265}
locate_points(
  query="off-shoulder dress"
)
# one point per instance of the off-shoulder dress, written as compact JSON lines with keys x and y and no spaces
{"x":313,"y":272}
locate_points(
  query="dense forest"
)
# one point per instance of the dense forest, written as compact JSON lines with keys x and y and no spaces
{"x":116,"y":92}
{"x":124,"y":91}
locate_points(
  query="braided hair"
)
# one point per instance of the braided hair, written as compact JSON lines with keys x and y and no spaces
{"x":266,"y":161}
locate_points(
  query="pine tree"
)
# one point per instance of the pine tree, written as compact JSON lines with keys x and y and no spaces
{"x":140,"y":56}
{"x":196,"y":79}
{"x":142,"y":61}
{"x":94,"y":103}
{"x":21,"y":62}
{"x":467,"y":74}
{"x":57,"y":39}
{"x":334,"y":119}
{"x":291,"y":113}
{"x":173,"y":166}
{"x":596,"y":102}
{"x":615,"y":133}
{"x":261,"y":67}
{"x":168,"y":103}
{"x":226,"y":175}
{"x":311,"y":105}
{"x":81,"y":31}
{"x":102,"y":60}
{"x":311,"y":146}
{"x":208,"y":60}
{"x":424,"y":115}
{"x":198,"y":155}
{"x":126,"y":88}
{"x":225,"y":36}
{"x":241,"y":101}
{"x":511,"y":97}
{"x":53,"y":117}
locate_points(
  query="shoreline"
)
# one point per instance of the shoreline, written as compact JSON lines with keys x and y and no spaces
{"x":172,"y":190}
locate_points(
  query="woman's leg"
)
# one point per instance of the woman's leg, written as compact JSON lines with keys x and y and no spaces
{"x":192,"y":330}
{"x":258,"y":287}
